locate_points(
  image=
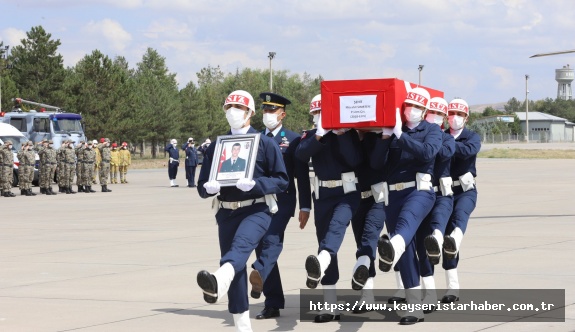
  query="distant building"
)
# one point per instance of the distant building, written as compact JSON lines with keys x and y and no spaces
{"x":542,"y":127}
{"x":547,"y":128}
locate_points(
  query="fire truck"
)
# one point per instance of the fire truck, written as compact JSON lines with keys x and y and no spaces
{"x":45,"y":122}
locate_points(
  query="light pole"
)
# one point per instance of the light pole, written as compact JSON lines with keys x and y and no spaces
{"x":526,"y":109}
{"x":271,"y":55}
{"x":420,"y":68}
{"x":4,"y":56}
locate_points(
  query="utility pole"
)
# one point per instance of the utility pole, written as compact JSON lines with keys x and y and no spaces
{"x":420,"y":68}
{"x":526,"y":108}
{"x":271,"y":55}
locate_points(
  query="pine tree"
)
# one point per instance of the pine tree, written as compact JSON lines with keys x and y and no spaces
{"x":38,"y":70}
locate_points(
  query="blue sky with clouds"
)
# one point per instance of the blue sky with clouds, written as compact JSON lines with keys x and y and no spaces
{"x":477,"y":50}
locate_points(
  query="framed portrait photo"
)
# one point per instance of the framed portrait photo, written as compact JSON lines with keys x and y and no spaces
{"x":237,"y":158}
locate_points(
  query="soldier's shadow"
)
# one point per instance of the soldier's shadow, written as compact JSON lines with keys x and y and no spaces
{"x":222,"y":315}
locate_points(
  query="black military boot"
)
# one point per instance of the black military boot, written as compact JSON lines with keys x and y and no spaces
{"x":31,"y":192}
{"x":89,"y":189}
{"x":105,"y":189}
{"x":72,"y":190}
{"x":61,"y":189}
{"x":42,"y":190}
{"x":23,"y":192}
{"x":81,"y":189}
{"x":9,"y":194}
{"x":50,"y":191}
{"x":66,"y":190}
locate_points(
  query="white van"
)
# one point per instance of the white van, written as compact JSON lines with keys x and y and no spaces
{"x":10,"y":133}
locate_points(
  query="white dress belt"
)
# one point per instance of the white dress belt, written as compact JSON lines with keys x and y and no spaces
{"x":237,"y":205}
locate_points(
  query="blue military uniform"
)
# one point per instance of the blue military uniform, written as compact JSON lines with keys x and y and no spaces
{"x":191,"y":163}
{"x":173,"y":162}
{"x":266,"y":275}
{"x":367,"y":223}
{"x":332,"y":156}
{"x":241,"y":229}
{"x":270,"y":247}
{"x":441,"y":211}
{"x":414,"y":152}
{"x":467,"y":146}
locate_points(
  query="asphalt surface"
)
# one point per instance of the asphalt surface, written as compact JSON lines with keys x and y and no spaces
{"x":127,"y":260}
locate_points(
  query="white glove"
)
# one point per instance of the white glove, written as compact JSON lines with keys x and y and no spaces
{"x":387,"y":131}
{"x":212,"y":187}
{"x":320,"y":131}
{"x":398,"y":124}
{"x":244,"y":184}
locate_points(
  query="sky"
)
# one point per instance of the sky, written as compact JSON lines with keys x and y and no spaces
{"x":477,"y":50}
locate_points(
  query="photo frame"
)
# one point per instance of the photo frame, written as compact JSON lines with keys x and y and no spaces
{"x":237,"y":158}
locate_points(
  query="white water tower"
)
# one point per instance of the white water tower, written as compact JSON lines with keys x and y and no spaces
{"x":564,"y":77}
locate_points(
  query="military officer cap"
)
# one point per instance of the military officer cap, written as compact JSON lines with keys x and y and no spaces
{"x":272,"y":101}
{"x":8,"y":142}
{"x":44,"y":140}
{"x":50,"y":142}
{"x":89,"y":142}
{"x":30,"y":143}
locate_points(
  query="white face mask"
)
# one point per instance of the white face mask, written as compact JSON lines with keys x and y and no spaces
{"x":413,"y":114}
{"x":434,"y":118}
{"x":456,"y":122}
{"x":271,"y":120}
{"x":50,"y":145}
{"x":315,"y":118}
{"x":235,"y":117}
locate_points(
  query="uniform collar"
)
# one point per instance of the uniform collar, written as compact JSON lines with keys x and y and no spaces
{"x":419,"y":127}
{"x":275,"y":131}
{"x":456,"y":133}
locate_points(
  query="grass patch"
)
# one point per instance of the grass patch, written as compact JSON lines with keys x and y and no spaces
{"x":527,"y":154}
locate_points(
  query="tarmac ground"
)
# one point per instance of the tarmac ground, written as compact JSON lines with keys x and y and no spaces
{"x":127,"y":260}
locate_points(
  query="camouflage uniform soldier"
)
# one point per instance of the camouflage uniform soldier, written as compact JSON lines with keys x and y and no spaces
{"x":105,"y":164}
{"x":32,"y":157}
{"x":48,"y":163}
{"x":69,"y":167}
{"x":6,"y":169}
{"x":26,"y":157}
{"x":114,"y":163}
{"x":88,"y":174}
{"x":125,"y":161}
{"x":60,"y":155}
{"x":98,"y":161}
{"x":79,"y":151}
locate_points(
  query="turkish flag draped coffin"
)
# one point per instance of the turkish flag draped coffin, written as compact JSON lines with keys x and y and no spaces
{"x":364,"y":103}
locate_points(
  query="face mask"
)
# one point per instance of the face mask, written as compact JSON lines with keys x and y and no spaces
{"x":50,"y":145}
{"x":434,"y":118}
{"x":315,"y":118}
{"x":270,"y":120}
{"x":456,"y":122}
{"x":235,"y":117}
{"x":413,"y":114}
